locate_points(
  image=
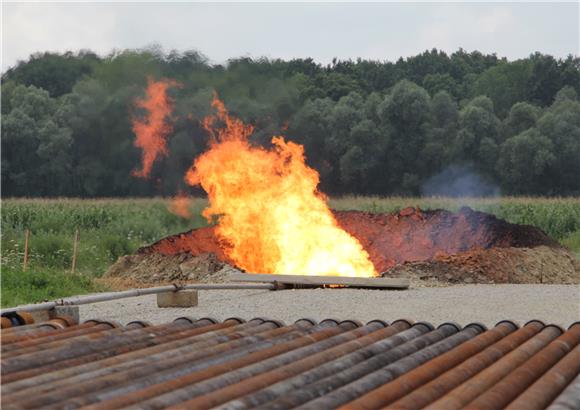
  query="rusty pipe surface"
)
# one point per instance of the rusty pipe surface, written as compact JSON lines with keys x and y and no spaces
{"x":252,"y":364}
{"x":480,"y":383}
{"x":422,"y":335}
{"x":202,"y":360}
{"x":386,"y":374}
{"x":570,"y":397}
{"x":278,"y":382}
{"x":84,"y":345}
{"x":545,"y":390}
{"x":444,"y":383}
{"x":201,"y":337}
{"x":161,"y":388}
{"x":84,"y":388}
{"x":38,"y":344}
{"x":511,"y":386}
{"x":58,"y":371}
{"x":321,"y":332}
{"x":390,"y":392}
{"x":38,"y":333}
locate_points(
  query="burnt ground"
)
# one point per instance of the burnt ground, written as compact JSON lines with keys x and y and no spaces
{"x":433,"y":247}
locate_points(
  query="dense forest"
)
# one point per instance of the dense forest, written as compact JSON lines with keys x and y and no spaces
{"x":459,"y":124}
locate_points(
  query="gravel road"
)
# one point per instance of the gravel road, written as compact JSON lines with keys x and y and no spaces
{"x":463,"y":304}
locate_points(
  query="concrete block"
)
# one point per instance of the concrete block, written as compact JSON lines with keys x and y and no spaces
{"x":40,"y":316}
{"x":181,"y":298}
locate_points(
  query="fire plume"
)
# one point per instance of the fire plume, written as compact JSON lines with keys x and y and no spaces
{"x":151,"y":132}
{"x":269,"y":212}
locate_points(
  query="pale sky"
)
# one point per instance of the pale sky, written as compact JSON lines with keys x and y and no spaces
{"x":379,"y":31}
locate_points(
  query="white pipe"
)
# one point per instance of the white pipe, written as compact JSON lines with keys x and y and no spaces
{"x":101,"y":297}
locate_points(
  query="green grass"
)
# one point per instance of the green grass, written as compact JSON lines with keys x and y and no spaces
{"x":39,"y":285}
{"x":110,"y":228}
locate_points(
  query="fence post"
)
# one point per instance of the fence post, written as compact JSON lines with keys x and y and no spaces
{"x":25,"y":262}
{"x":74,"y":255}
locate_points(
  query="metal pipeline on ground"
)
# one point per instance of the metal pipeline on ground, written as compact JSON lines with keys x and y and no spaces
{"x":103,"y":297}
{"x":444,"y":383}
{"x":202,"y":335}
{"x":414,"y":379}
{"x":39,"y":332}
{"x":180,"y":332}
{"x":89,"y":384}
{"x":480,"y":383}
{"x":162,"y":388}
{"x":388,"y":373}
{"x":570,"y":397}
{"x":252,"y":364}
{"x":511,"y":386}
{"x":281,"y":380}
{"x":213,"y":356}
{"x":545,"y":390}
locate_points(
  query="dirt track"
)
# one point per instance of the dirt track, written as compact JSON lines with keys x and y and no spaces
{"x":461,"y":303}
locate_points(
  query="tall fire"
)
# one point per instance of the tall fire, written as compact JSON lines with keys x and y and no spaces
{"x":268,"y":208}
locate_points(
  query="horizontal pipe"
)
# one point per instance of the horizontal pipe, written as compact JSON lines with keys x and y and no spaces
{"x":570,"y":397}
{"x":40,"y":332}
{"x":360,"y":362}
{"x":393,"y":370}
{"x":414,"y":379}
{"x":511,"y":386}
{"x":177,"y":333}
{"x":193,"y":384}
{"x":480,"y":383}
{"x":279,"y":381}
{"x":545,"y":390}
{"x":200,"y":332}
{"x":103,"y":297}
{"x":38,"y":344}
{"x":441,"y":385}
{"x":85,"y":388}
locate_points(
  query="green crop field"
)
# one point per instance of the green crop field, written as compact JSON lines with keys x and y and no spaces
{"x":110,"y":228}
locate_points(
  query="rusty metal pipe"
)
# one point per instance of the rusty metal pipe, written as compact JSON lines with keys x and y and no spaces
{"x":39,"y":333}
{"x":196,"y":360}
{"x":480,"y":383}
{"x":389,"y":392}
{"x":545,"y":390}
{"x":256,"y":362}
{"x":87,"y":344}
{"x":384,"y":375}
{"x":158,"y":389}
{"x":570,"y":397}
{"x":57,"y":371}
{"x":281,"y":380}
{"x":511,"y":386}
{"x":420,"y":334}
{"x":37,"y":344}
{"x":438,"y":387}
{"x":202,"y":336}
{"x":87,"y":385}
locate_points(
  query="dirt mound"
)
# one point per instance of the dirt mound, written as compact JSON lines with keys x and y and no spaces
{"x":466,"y":246}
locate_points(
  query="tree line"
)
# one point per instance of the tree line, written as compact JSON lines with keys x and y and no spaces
{"x":460,"y":124}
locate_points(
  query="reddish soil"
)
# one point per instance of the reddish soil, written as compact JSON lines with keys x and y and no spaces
{"x":411,"y":235}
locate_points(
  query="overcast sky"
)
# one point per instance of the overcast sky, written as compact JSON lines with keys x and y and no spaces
{"x":381,"y":31}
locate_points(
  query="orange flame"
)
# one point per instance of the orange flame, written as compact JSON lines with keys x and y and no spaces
{"x":151,"y":132}
{"x":269,"y":210}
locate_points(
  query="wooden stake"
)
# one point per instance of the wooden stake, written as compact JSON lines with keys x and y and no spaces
{"x":25,"y":262}
{"x":74,"y":255}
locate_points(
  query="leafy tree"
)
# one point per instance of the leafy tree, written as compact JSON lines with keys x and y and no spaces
{"x":524,"y":161}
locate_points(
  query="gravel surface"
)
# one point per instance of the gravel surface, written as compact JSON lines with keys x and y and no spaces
{"x":488,"y":304}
